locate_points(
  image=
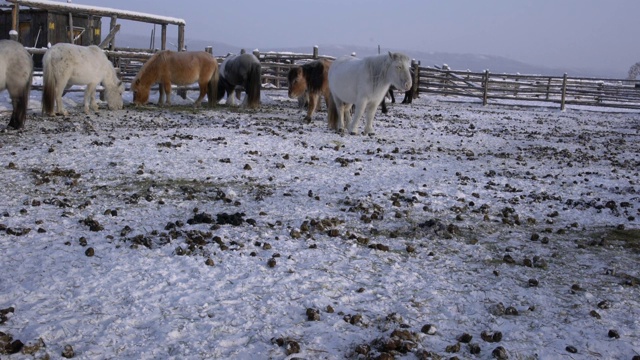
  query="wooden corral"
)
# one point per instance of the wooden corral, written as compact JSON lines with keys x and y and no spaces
{"x":562,"y":90}
{"x":484,"y":86}
{"x":38,"y":22}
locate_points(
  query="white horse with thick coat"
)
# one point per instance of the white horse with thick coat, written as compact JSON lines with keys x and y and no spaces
{"x":364,"y":83}
{"x":68,"y":64}
{"x":16,"y":71}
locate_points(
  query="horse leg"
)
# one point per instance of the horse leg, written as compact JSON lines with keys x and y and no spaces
{"x":167,"y":92}
{"x":357,"y":114}
{"x":60,"y":86}
{"x":90,"y":98}
{"x":339,"y":115}
{"x":231,"y":98}
{"x":346,"y":120}
{"x":203,"y":92}
{"x":313,"y":102}
{"x":161,"y":96}
{"x":369,"y":113}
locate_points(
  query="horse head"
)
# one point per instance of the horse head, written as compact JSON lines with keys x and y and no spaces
{"x":297,"y":82}
{"x":113,"y":95}
{"x":140,"y":92}
{"x":400,"y":71}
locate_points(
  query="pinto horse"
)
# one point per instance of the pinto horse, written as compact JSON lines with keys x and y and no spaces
{"x":312,"y":79}
{"x":16,"y":71}
{"x":241,"y":70}
{"x":68,"y":64}
{"x":363,"y":83}
{"x":181,"y":68}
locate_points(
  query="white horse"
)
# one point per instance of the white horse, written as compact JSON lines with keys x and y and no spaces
{"x":68,"y":64}
{"x":16,"y":70}
{"x":363,"y":83}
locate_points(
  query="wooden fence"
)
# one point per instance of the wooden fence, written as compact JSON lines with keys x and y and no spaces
{"x":485,"y":86}
{"x":562,"y":90}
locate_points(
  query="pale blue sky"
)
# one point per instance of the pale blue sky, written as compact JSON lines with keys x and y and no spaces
{"x":594,"y":34}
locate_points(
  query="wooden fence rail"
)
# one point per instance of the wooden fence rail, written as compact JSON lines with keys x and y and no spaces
{"x":486,"y":86}
{"x":562,"y":90}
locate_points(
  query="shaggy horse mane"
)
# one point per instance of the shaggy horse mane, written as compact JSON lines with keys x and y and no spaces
{"x":314,"y":74}
{"x":150,"y":66}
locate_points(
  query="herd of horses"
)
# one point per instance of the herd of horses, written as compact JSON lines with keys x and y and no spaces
{"x":351,"y":87}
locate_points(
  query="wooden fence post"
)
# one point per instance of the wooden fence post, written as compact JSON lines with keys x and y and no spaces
{"x":485,"y":93}
{"x":112,"y":25}
{"x":601,"y":91}
{"x":71,"y":28}
{"x":548,"y":88}
{"x":564,"y":91}
{"x":15,"y":16}
{"x":180,"y":37}
{"x":415,"y":78}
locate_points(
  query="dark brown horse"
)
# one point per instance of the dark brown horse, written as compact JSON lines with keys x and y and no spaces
{"x":312,"y":79}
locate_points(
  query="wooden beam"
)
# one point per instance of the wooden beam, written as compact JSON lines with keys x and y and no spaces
{"x":112,"y":26}
{"x":70,"y":28}
{"x":14,"y":17}
{"x":90,"y":21}
{"x":180,"y":37}
{"x":163,"y":37}
{"x":108,"y":38}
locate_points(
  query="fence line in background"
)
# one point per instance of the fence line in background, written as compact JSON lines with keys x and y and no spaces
{"x":486,"y":86}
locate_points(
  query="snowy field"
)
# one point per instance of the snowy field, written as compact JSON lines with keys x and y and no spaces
{"x":457,"y":230}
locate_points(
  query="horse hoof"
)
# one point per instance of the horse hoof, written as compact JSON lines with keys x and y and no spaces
{"x":353,"y":133}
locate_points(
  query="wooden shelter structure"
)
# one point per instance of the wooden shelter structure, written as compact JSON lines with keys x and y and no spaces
{"x":42,"y":22}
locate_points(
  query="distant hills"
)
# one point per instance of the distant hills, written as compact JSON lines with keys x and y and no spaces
{"x":471,"y":62}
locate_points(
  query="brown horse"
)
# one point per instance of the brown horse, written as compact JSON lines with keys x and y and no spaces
{"x":181,"y":68}
{"x":312,"y":79}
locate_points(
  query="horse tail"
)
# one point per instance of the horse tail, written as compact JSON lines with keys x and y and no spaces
{"x":254,"y":84}
{"x":48,"y":87}
{"x":21,"y":105}
{"x":332,"y":113}
{"x":212,"y":86}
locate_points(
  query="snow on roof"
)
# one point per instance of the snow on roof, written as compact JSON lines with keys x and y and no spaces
{"x":102,"y":11}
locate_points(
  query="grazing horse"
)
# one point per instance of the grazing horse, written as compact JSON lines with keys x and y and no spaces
{"x":363,"y":83}
{"x":241,"y":70}
{"x":68,"y":64}
{"x":311,"y":78}
{"x":181,"y":68}
{"x":16,"y":71}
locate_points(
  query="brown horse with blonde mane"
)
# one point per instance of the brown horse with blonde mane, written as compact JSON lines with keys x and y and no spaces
{"x":312,"y":79}
{"x":181,"y":68}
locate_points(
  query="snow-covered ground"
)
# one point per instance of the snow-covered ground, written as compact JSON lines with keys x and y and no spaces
{"x":153,"y":233}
